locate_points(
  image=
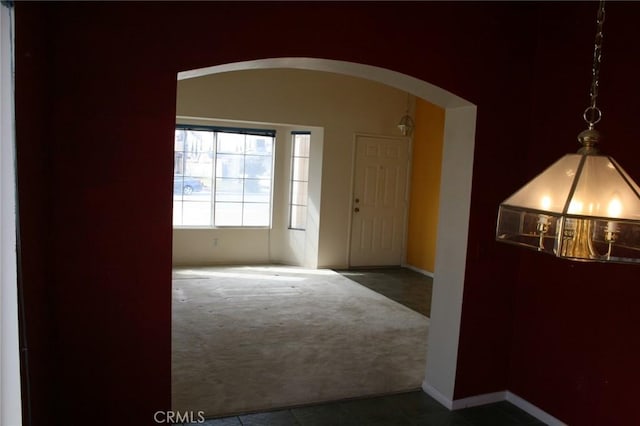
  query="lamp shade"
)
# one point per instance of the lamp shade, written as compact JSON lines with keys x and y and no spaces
{"x":583,"y":207}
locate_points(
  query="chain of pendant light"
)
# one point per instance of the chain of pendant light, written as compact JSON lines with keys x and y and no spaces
{"x":592,"y":114}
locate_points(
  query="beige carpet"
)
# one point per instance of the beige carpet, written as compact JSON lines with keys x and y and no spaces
{"x":255,"y":338}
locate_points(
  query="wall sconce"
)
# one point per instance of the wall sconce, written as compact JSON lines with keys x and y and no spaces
{"x":406,"y":123}
{"x":584,"y":207}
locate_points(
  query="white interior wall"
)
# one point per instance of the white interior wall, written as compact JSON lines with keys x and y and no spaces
{"x":451,"y":252}
{"x":294,"y":246}
{"x":339,"y":104}
{"x":10,"y":403}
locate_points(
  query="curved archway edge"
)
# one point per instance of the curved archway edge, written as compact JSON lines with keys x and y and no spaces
{"x":454,"y":206}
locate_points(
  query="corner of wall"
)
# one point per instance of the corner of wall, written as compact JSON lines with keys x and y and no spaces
{"x":426,"y":167}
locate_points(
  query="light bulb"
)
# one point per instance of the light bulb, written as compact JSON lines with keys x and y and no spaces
{"x":614,"y":209}
{"x":575,"y":207}
{"x":545,"y":202}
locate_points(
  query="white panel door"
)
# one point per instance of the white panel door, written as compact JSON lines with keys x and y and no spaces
{"x":379,"y":201}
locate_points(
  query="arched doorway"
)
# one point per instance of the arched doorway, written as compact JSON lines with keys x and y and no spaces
{"x":455,"y":196}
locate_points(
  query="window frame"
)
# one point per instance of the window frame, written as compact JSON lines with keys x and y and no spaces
{"x":292,"y":179}
{"x":212,"y":180}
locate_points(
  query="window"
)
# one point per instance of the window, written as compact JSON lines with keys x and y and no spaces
{"x":299,"y":180}
{"x":222,"y":177}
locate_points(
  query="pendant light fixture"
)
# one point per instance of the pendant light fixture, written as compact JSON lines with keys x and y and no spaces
{"x":406,"y":123}
{"x":583,"y":207}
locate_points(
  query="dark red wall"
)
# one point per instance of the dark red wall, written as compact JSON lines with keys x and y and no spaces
{"x":575,"y":332}
{"x":95,"y":112}
{"x":32,"y":101}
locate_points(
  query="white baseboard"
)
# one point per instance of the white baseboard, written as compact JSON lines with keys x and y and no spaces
{"x":536,"y":412}
{"x":483,"y":399}
{"x":490,"y":398}
{"x":418,"y":270}
{"x":435,"y":394}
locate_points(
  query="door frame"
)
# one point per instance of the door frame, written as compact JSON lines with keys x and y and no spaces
{"x":405,"y":228}
{"x":453,"y":210}
{"x":10,"y":322}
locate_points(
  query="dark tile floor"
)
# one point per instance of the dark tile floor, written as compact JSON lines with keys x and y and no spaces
{"x":411,"y":409}
{"x":403,"y":285}
{"x":413,"y":290}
